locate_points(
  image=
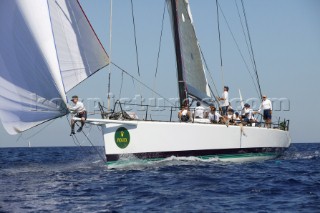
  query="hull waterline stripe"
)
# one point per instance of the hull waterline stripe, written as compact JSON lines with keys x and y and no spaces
{"x":221,"y":153}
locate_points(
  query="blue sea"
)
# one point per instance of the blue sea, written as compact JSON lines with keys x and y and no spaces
{"x":75,"y":179}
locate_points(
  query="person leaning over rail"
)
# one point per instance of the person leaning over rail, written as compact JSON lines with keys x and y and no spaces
{"x":266,"y":106}
{"x":79,"y":111}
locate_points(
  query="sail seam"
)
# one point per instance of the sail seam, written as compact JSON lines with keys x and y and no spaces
{"x":94,"y":71}
{"x":55,"y":47}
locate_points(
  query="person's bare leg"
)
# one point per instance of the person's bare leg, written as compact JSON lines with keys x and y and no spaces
{"x":269,"y":123}
{"x":82,"y":124}
{"x":72,"y":126}
{"x":190,"y":116}
{"x":82,"y":121}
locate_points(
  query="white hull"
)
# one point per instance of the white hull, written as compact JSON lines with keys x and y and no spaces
{"x":150,"y":139}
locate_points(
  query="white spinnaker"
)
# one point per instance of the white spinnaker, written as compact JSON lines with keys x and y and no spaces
{"x":193,"y":69}
{"x":32,"y":85}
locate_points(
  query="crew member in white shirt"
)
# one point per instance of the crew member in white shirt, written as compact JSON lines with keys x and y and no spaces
{"x":236,"y":118}
{"x":230,"y":116}
{"x":224,"y":100}
{"x":80,"y":112}
{"x":248,"y":114}
{"x":214,"y":116}
{"x":199,"y":111}
{"x":266,"y":106}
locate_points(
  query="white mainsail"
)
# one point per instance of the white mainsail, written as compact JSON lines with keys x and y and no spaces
{"x":193,"y":70}
{"x":46,"y":48}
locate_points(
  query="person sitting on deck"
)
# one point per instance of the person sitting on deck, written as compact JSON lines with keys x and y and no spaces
{"x":199,"y":111}
{"x":230,"y":116}
{"x":184,"y":114}
{"x":214,"y":116}
{"x":248,"y":115}
{"x":80,"y":112}
{"x":236,"y":118}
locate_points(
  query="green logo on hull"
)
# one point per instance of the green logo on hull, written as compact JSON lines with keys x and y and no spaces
{"x":122,"y":137}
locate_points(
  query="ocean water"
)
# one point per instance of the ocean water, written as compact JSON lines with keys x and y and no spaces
{"x":75,"y":179}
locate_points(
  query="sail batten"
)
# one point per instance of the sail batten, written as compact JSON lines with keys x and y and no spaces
{"x":40,"y":61}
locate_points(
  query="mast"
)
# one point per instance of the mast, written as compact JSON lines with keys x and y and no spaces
{"x":183,"y":93}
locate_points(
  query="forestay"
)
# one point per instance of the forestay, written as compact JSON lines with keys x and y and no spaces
{"x":193,"y":71}
{"x":46,"y":48}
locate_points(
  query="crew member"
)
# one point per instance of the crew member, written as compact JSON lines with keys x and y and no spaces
{"x":80,"y":112}
{"x":224,"y":100}
{"x":199,"y":110}
{"x":266,"y":106}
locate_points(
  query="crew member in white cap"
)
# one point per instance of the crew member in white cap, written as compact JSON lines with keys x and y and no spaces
{"x":80,"y":112}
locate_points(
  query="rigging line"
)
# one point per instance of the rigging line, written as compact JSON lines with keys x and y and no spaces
{"x":104,"y":160}
{"x":244,"y":33}
{"x":134,"y":85}
{"x":135,"y":37}
{"x":220,"y":44}
{"x":36,"y":133}
{"x":110,"y":45}
{"x":76,"y":141}
{"x":83,"y":150}
{"x":146,"y":86}
{"x":136,"y":45}
{"x":121,"y":85}
{"x":164,"y":11}
{"x":208,"y":71}
{"x":207,"y":68}
{"x":159,"y":49}
{"x":160,"y":42}
{"x":215,"y":98}
{"x":239,"y":50}
{"x":251,"y":47}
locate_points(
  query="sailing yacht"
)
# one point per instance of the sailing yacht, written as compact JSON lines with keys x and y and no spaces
{"x":44,"y":55}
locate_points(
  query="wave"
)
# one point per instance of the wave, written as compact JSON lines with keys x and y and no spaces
{"x":133,"y":163}
{"x":300,"y":155}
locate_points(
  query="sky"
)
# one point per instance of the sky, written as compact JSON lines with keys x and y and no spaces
{"x":285,"y":36}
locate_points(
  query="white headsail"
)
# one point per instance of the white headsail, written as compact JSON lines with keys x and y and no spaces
{"x":193,"y":70}
{"x":46,"y":48}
